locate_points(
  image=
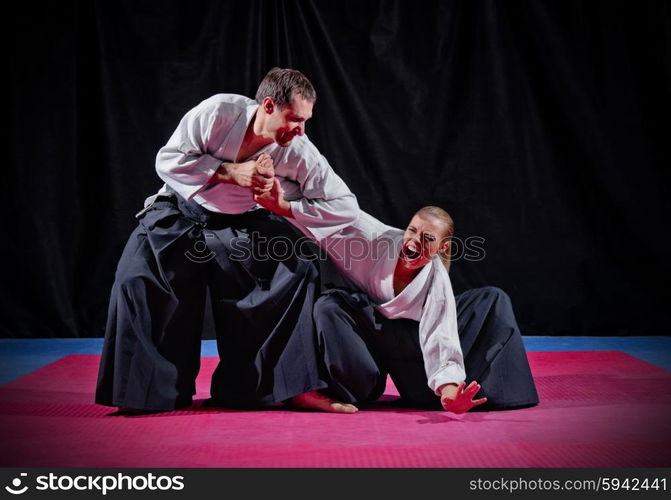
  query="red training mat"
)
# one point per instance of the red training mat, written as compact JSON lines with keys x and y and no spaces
{"x":598,"y":409}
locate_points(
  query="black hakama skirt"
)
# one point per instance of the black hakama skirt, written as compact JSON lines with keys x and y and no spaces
{"x":360,"y":347}
{"x":262,"y":306}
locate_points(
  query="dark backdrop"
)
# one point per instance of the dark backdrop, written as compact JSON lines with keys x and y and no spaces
{"x":542,"y":127}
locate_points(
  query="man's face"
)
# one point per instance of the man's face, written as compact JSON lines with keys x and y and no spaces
{"x":288,"y":121}
{"x":424,"y":237}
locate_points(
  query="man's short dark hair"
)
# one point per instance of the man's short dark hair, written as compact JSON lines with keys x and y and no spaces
{"x":282,"y":84}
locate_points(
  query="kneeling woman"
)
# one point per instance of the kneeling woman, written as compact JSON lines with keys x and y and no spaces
{"x":398,"y":315}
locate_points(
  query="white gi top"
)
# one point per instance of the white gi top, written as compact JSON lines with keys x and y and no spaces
{"x":212,"y":132}
{"x":366,"y":252}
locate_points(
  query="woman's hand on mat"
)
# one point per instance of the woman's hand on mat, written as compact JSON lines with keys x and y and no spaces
{"x":458,"y":398}
{"x":274,"y":200}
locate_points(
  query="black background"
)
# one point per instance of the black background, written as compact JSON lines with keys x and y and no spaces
{"x":541,"y":126}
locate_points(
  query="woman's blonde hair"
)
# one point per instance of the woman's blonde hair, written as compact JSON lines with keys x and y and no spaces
{"x":445,"y":218}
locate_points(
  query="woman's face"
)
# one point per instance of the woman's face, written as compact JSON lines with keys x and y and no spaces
{"x":423,"y":238}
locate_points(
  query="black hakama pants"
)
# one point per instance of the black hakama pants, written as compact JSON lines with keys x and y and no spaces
{"x":262,"y":307}
{"x":359,"y":346}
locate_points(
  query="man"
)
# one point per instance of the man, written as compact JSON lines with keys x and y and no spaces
{"x":204,"y":230}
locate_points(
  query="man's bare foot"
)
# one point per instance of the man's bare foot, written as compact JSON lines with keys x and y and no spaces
{"x":317,"y":401}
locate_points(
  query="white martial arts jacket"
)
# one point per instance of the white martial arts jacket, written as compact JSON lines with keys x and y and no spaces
{"x":212,"y":132}
{"x":366,"y":252}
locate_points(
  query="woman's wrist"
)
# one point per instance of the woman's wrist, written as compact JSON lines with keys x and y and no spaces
{"x":448,"y":391}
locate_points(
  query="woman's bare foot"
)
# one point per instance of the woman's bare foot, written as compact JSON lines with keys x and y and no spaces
{"x":317,"y":401}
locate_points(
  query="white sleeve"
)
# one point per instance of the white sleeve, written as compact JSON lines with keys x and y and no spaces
{"x":184,"y":163}
{"x":326,"y":204}
{"x":439,"y":337}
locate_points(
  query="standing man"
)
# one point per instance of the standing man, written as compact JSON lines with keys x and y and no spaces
{"x":204,"y":230}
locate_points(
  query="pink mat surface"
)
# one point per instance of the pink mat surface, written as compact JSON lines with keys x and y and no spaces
{"x":598,"y":409}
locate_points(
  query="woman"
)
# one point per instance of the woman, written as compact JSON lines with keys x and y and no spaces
{"x":398,"y":315}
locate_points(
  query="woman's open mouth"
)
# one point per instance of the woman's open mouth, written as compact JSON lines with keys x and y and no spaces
{"x":411,"y":253}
